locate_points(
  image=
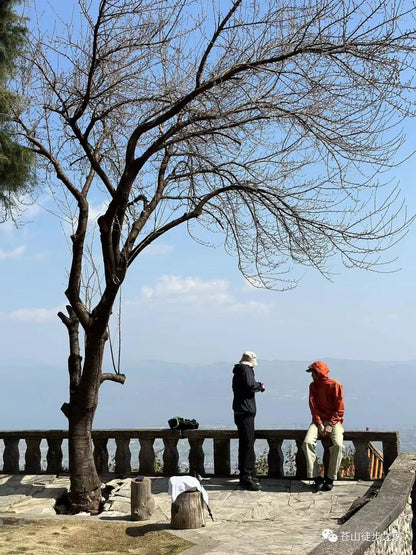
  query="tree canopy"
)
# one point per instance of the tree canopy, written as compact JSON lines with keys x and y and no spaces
{"x":15,"y":159}
{"x":269,"y":124}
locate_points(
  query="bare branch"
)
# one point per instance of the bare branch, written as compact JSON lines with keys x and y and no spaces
{"x":75,"y":359}
{"x":212,"y":42}
{"x":117,"y":378}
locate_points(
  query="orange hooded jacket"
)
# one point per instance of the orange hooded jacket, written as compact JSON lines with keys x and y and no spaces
{"x":326,"y":397}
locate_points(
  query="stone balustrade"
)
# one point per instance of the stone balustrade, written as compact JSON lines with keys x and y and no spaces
{"x":29,"y":441}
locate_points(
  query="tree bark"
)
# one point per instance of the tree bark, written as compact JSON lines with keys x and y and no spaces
{"x":141,"y":500}
{"x":187,"y":511}
{"x":85,"y":484}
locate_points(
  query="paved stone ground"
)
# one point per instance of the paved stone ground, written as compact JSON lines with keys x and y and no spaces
{"x":286,"y":517}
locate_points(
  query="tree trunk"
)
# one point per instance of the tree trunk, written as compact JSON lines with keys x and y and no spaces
{"x":85,"y":484}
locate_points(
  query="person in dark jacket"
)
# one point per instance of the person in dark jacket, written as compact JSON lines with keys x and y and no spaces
{"x":244,"y":406}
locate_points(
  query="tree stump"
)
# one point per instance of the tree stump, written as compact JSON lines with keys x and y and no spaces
{"x":187,"y":511}
{"x":141,"y":501}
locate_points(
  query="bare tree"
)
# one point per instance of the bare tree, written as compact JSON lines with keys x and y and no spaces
{"x":270,"y":122}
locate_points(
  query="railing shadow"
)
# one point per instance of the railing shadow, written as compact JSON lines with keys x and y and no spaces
{"x":15,"y":486}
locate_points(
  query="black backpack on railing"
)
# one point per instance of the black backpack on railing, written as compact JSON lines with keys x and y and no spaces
{"x":179,"y":423}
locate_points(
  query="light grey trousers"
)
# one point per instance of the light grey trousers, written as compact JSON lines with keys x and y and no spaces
{"x":335,"y":451}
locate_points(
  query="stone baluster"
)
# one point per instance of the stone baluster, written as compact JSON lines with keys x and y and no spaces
{"x":275,"y":458}
{"x":222,"y":465}
{"x":32,"y":456}
{"x":54,"y":456}
{"x":123,"y":456}
{"x":11,"y":455}
{"x":300,"y":461}
{"x":101,"y":455}
{"x":146,"y":456}
{"x":361,"y":461}
{"x":196,"y":456}
{"x":170,"y":457}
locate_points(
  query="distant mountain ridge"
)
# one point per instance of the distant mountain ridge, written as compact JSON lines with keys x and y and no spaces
{"x":379,"y":395}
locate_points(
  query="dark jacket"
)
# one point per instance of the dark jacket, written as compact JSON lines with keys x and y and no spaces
{"x":244,"y":388}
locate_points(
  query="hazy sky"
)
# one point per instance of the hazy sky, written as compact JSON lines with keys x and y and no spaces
{"x":183,"y":302}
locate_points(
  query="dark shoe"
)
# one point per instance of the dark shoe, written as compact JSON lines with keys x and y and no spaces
{"x":328,"y":485}
{"x":255,"y":479}
{"x":319,"y":483}
{"x":250,"y":485}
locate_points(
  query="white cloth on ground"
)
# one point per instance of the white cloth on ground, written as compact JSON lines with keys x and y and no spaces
{"x":180,"y":484}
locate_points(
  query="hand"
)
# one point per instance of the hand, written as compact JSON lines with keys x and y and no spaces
{"x":327,"y":430}
{"x":321,"y":429}
{"x":262,"y":388}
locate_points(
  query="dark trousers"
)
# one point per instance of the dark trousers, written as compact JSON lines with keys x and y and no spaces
{"x":246,"y":454}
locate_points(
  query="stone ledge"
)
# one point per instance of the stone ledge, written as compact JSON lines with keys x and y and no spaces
{"x":378,"y":514}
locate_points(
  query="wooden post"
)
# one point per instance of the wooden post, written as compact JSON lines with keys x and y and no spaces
{"x":187,"y":512}
{"x":142,"y":503}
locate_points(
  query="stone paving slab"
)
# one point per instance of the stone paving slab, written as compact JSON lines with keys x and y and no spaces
{"x":286,"y":517}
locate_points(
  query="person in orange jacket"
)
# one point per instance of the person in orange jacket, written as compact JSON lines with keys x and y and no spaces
{"x":326,"y":401}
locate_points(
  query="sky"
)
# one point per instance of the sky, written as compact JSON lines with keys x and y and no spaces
{"x":183,"y":302}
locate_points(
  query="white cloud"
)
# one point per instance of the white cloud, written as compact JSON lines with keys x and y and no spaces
{"x":32,"y":315}
{"x":147,"y":292}
{"x":188,"y":286}
{"x":16,"y":253}
{"x":193,"y":292}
